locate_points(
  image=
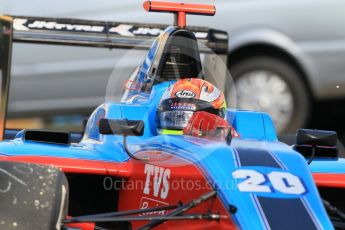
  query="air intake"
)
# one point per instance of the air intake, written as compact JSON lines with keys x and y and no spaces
{"x":51,"y":137}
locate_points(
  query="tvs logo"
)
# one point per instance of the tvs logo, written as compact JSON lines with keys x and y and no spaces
{"x":158,"y":178}
{"x":185,"y":94}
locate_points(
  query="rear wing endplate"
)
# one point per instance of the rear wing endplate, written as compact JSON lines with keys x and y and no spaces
{"x":5,"y":68}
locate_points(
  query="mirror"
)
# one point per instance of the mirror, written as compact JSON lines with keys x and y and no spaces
{"x":121,"y":127}
{"x":324,"y":143}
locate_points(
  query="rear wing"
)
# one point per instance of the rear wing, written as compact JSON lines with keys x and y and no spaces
{"x":75,"y":32}
{"x":105,"y":34}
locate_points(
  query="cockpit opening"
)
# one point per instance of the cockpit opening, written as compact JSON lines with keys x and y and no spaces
{"x":180,"y":58}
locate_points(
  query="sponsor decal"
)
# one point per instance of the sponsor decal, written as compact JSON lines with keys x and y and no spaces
{"x":146,"y":203}
{"x":60,"y":26}
{"x":185,"y":94}
{"x":183,"y":106}
{"x":22,"y":24}
{"x":148,"y":31}
{"x":157,"y":181}
{"x":130,"y":30}
{"x":19,"y":24}
{"x":122,"y":30}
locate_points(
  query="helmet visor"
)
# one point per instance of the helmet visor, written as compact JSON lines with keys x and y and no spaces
{"x":175,"y":120}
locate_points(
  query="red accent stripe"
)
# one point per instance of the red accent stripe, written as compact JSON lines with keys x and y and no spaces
{"x":70,"y":165}
{"x":329,"y":180}
{"x":82,"y":226}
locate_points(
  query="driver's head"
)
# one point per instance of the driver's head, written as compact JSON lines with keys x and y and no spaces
{"x":185,"y":97}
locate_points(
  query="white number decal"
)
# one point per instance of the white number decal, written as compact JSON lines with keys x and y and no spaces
{"x":253,"y":181}
{"x":283,"y":182}
{"x":287,"y":183}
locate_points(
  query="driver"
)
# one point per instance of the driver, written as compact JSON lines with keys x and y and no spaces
{"x":193,"y":107}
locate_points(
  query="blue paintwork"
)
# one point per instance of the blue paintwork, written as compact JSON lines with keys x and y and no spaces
{"x":217,"y":161}
{"x":334,"y":166}
{"x":253,"y":125}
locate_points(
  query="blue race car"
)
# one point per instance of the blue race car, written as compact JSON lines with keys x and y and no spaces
{"x":124,"y":173}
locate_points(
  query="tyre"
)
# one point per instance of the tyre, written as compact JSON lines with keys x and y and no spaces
{"x":32,"y":197}
{"x":272,"y":85}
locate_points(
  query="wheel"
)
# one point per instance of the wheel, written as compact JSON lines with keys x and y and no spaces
{"x":271,"y":85}
{"x":32,"y":197}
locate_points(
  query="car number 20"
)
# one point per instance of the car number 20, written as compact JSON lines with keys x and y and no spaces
{"x":283,"y":182}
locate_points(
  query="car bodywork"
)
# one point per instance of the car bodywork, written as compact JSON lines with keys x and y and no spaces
{"x":256,"y":182}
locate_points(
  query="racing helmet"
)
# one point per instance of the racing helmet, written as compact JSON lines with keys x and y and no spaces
{"x":185,"y":97}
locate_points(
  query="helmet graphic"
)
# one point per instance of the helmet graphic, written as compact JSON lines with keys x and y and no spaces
{"x":182,"y":99}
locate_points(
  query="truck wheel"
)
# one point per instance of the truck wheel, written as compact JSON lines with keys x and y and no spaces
{"x":271,"y":85}
{"x":32,"y":197}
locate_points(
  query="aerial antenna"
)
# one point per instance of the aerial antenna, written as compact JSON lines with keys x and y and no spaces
{"x":180,"y":10}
